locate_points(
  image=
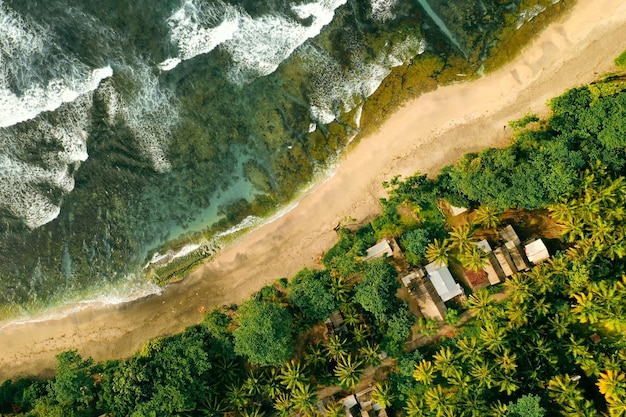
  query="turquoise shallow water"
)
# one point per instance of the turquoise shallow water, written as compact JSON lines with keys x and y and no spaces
{"x":126,"y":125}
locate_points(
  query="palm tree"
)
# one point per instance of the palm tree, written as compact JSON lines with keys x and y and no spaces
{"x":424,"y":372}
{"x":519,"y":287}
{"x":339,"y":288}
{"x":586,"y":309}
{"x":283,"y":404}
{"x":507,"y":383}
{"x":475,"y":258}
{"x":482,"y":305}
{"x":612,"y":385}
{"x":414,"y":407}
{"x":304,"y":398}
{"x":348,"y":371}
{"x":498,"y":409}
{"x":254,"y":383}
{"x":252,"y":412}
{"x":336,"y":347}
{"x":335,"y":409}
{"x":213,"y":406}
{"x":350,"y":315}
{"x":507,"y":360}
{"x":493,"y":337}
{"x":437,"y":398}
{"x":438,"y":251}
{"x":382,"y":394}
{"x":226,"y":370}
{"x":487,"y":216}
{"x":315,"y":356}
{"x":461,"y":238}
{"x":468,"y":348}
{"x":293,"y":374}
{"x":360,"y":334}
{"x":370,"y":354}
{"x":272,"y":386}
{"x":237,"y":396}
{"x":564,"y":390}
{"x":445,"y":361}
{"x":482,"y":373}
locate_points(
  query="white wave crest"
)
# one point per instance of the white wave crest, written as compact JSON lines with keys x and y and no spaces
{"x":26,"y":87}
{"x":249,"y":221}
{"x":31,"y":187}
{"x":383,"y":9}
{"x":257,"y":45}
{"x":261,"y":44}
{"x":197,"y":28}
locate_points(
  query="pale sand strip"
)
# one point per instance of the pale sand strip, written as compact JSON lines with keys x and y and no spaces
{"x":426,"y":134}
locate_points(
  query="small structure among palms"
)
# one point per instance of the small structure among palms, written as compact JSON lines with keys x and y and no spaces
{"x":371,"y":402}
{"x":442,"y":280}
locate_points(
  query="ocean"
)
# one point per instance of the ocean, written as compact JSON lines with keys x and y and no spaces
{"x":137,"y":134}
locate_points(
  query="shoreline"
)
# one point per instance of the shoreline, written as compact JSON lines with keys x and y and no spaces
{"x":423,"y":135}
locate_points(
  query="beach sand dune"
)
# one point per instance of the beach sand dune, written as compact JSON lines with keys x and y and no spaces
{"x":424,"y":135}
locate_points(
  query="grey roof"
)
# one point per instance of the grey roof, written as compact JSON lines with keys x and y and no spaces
{"x":443,"y":282}
{"x":382,"y":248}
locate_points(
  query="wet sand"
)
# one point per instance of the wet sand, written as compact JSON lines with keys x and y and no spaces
{"x":424,"y":135}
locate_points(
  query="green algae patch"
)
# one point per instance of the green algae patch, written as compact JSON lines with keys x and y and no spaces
{"x":620,"y":61}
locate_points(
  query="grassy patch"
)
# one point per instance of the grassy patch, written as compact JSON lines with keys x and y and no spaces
{"x":620,"y":61}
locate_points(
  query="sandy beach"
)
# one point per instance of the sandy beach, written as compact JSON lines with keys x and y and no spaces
{"x":424,"y":135}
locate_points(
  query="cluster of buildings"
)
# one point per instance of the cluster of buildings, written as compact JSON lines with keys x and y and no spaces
{"x":434,"y":285}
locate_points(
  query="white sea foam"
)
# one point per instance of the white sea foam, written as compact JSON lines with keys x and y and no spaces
{"x":27,"y":88}
{"x":261,"y":44}
{"x":151,"y":116}
{"x":337,"y":90}
{"x":197,"y":28}
{"x":257,"y":45}
{"x":186,"y":250}
{"x":111,"y":98}
{"x":244,"y":224}
{"x":529,"y":14}
{"x":383,"y":9}
{"x":127,"y":293}
{"x":31,"y":188}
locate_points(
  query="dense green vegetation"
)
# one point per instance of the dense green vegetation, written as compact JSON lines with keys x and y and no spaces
{"x":553,"y":346}
{"x":620,"y":61}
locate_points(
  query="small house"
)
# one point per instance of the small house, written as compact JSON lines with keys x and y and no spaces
{"x":379,"y":250}
{"x":508,"y":234}
{"x":536,"y":251}
{"x":495,"y":275}
{"x":516,"y":256}
{"x":505,"y":261}
{"x":442,"y":280}
{"x":425,"y":295}
{"x":512,"y":250}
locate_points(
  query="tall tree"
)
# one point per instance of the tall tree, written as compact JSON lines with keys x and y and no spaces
{"x":265,"y":333}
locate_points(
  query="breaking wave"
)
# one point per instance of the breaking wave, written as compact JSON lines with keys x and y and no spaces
{"x":197,"y":28}
{"x":31,"y":187}
{"x":35,"y":76}
{"x":257,"y":45}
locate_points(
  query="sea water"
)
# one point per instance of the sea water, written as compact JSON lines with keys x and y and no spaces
{"x":128,"y":125}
